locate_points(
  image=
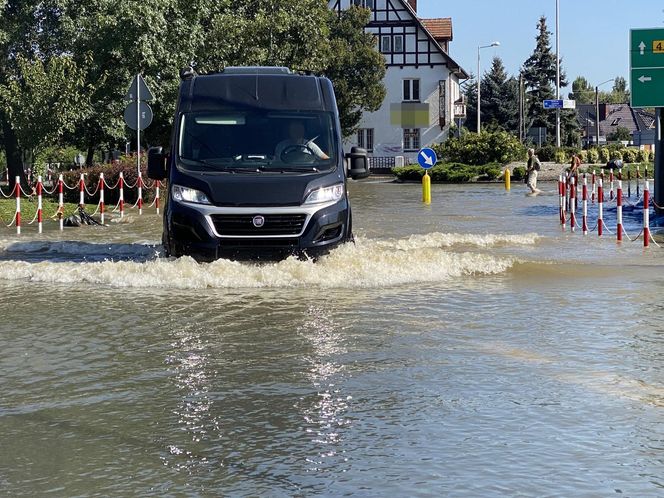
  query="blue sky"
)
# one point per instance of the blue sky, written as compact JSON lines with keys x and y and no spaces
{"x":594,"y":34}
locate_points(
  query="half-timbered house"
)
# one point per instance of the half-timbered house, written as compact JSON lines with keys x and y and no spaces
{"x":422,"y":81}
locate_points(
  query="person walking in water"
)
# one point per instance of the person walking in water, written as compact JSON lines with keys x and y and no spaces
{"x":532,"y":167}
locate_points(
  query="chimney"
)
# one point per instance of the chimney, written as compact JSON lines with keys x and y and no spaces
{"x":413,"y":4}
{"x":603,"y":111}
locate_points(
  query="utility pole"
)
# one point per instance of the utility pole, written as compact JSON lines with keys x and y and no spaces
{"x":557,"y":73}
{"x":597,"y":116}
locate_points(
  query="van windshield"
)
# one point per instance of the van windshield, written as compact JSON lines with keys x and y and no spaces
{"x":257,"y":139}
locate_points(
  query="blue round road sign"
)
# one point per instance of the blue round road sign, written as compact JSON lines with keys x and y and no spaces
{"x":427,"y":157}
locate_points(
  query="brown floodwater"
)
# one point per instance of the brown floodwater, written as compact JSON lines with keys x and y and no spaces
{"x":466,"y":348}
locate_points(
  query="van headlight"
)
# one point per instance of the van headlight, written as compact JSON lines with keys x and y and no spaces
{"x":327,"y":194}
{"x":186,"y":194}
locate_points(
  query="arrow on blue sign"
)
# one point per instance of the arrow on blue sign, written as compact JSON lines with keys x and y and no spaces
{"x":427,"y":158}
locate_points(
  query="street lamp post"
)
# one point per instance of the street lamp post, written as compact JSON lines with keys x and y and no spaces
{"x":493,"y":44}
{"x":597,"y":110}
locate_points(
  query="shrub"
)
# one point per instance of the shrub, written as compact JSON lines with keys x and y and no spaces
{"x":583,"y":155}
{"x":604,"y":155}
{"x":547,"y":153}
{"x":127,"y":165}
{"x":478,"y":149}
{"x":449,"y":172}
{"x":593,"y":156}
{"x":642,"y":156}
{"x":519,"y":173}
{"x":491,"y":171}
{"x":409,"y":173}
{"x":615,"y":154}
{"x":629,"y":155}
{"x":560,"y":157}
{"x":651,"y":156}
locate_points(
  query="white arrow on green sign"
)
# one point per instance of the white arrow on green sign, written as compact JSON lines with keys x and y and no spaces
{"x":647,"y":67}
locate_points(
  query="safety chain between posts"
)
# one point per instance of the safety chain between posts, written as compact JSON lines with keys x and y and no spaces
{"x":567,"y":189}
{"x":38,"y":189}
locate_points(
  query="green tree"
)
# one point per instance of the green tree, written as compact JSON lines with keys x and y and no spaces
{"x":619,"y":93}
{"x":469,"y":89}
{"x":32,"y":66}
{"x":45,"y":101}
{"x":582,"y":91}
{"x":620,"y":134}
{"x":500,"y":98}
{"x":539,"y":72}
{"x":355,"y":67}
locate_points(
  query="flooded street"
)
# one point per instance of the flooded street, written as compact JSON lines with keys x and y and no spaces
{"x":466,"y":348}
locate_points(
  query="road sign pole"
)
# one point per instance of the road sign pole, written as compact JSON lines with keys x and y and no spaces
{"x":659,"y":161}
{"x":138,"y":128}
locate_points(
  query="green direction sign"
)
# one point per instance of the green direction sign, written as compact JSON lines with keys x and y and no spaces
{"x":647,"y":87}
{"x":646,"y":56}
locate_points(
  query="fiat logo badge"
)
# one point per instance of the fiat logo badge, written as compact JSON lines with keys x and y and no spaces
{"x":258,"y":221}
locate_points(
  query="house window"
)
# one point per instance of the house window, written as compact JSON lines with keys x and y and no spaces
{"x":411,"y":90}
{"x":385,"y":44}
{"x":411,"y":139}
{"x":365,"y":138}
{"x":398,"y":43}
{"x":369,"y":4}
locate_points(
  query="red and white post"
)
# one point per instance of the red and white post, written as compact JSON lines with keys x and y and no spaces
{"x":611,"y":196}
{"x":61,"y":202}
{"x":140,"y":193}
{"x":600,"y":207}
{"x":101,"y":197}
{"x":81,"y":189}
{"x":561,"y":201}
{"x":646,"y":215}
{"x":585,"y":205}
{"x":572,"y":203}
{"x":156,"y":199}
{"x":39,"y":204}
{"x":594,"y":188}
{"x":17,"y":191}
{"x":619,"y":221}
{"x":121,"y":195}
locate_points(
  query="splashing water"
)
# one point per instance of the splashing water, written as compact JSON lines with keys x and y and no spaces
{"x":367,"y":264}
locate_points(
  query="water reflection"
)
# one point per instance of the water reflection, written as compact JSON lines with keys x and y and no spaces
{"x":325,"y":416}
{"x":188,"y":361}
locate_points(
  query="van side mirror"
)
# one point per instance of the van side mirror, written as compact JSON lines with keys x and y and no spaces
{"x":156,"y":163}
{"x":359,"y":163}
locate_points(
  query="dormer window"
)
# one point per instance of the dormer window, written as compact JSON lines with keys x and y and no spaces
{"x":615,"y":121}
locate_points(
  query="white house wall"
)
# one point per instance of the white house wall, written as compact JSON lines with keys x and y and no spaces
{"x":421,"y":59}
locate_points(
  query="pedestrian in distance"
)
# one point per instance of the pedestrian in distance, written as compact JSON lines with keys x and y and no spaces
{"x":532,"y":167}
{"x":574,"y":164}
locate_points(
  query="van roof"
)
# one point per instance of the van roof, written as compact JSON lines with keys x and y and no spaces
{"x":257,"y":87}
{"x":256,"y":70}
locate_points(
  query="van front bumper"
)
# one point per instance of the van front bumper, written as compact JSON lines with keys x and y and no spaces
{"x":210,"y":232}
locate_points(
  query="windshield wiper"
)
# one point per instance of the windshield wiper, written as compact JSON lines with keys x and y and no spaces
{"x":298,"y":169}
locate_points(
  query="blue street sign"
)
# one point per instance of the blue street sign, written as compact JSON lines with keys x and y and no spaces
{"x":553,"y":104}
{"x":427,"y":158}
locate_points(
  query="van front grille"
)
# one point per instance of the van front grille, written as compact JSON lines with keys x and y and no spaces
{"x":243,"y":224}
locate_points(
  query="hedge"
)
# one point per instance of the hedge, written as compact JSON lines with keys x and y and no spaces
{"x":450,"y":172}
{"x":111,"y":175}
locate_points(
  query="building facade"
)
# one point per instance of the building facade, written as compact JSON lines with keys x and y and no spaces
{"x":422,"y":81}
